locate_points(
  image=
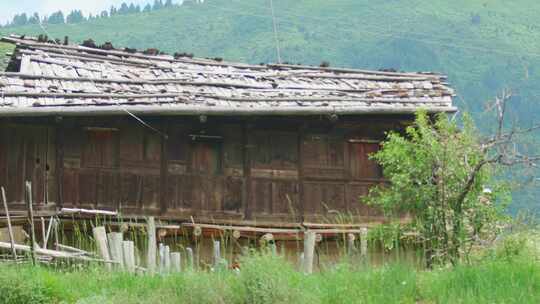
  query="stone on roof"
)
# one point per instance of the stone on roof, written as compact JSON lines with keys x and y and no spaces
{"x":76,"y":80}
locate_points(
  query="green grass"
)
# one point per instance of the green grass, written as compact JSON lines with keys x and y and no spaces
{"x":267,"y":279}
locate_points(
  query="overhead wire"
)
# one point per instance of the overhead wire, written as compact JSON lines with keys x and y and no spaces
{"x":367,"y":30}
{"x":140,"y":120}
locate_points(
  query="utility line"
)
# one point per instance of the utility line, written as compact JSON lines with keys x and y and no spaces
{"x":379,"y":33}
{"x":275,"y":31}
{"x":140,"y":120}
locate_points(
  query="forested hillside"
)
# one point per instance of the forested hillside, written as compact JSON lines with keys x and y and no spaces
{"x":484,"y":46}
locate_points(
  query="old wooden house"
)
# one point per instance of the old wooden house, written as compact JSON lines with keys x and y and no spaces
{"x":203,"y":140}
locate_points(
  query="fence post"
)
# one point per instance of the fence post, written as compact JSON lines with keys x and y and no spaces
{"x":116,"y":248}
{"x":151,"y":258}
{"x":363,"y":242}
{"x":217,"y":254}
{"x":128,"y":251}
{"x":189,"y":253}
{"x":176,"y":262}
{"x":100,"y":235}
{"x":309,"y":251}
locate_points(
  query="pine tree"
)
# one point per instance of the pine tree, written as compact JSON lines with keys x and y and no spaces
{"x":158,"y":4}
{"x":113,"y":11}
{"x":147,"y":8}
{"x":104,"y":14}
{"x":56,"y":18}
{"x":76,"y":16}
{"x":34,"y":19}
{"x":124,"y":9}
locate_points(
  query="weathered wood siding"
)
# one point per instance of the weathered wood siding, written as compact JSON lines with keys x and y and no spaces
{"x":261,"y":169}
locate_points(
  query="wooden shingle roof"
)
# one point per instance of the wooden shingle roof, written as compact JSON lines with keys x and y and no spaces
{"x":75,"y":80}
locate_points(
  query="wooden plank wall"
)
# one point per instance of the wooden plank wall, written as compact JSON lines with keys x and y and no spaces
{"x":264,"y":169}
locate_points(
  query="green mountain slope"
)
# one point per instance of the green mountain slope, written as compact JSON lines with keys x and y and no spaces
{"x":484,"y":46}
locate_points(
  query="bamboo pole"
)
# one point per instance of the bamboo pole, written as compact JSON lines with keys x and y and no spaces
{"x":10,"y":229}
{"x":28,"y":187}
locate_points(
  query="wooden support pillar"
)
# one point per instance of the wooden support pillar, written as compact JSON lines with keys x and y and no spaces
{"x":246,"y":189}
{"x":309,"y":251}
{"x":151,"y":254}
{"x":59,"y":170}
{"x":163,"y":174}
{"x":100,"y":236}
{"x":300,"y":168}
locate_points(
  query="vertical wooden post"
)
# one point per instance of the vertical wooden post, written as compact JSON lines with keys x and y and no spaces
{"x":49,"y":228}
{"x":189,"y":256}
{"x":31,"y":220}
{"x":43,"y":233}
{"x":309,"y":251}
{"x":167,"y":257}
{"x":128,"y":252}
{"x":161,"y":258}
{"x":115,"y":240}
{"x":246,"y":189}
{"x":101,"y":242}
{"x":151,"y":257}
{"x":176,"y":265}
{"x":56,"y":237}
{"x":300,"y":168}
{"x":363,"y":242}
{"x":10,"y":229}
{"x":350,"y":243}
{"x":217,"y":254}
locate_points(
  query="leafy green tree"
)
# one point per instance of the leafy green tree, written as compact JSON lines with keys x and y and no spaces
{"x":443,"y":177}
{"x":104,"y":14}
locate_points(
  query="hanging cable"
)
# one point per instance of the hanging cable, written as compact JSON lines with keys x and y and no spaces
{"x":275,"y":32}
{"x":138,"y":119}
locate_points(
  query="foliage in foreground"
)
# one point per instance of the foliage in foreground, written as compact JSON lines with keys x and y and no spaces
{"x":507,"y":274}
{"x":442,"y":175}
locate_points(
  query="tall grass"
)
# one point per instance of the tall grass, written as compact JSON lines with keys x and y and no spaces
{"x":266,"y":278}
